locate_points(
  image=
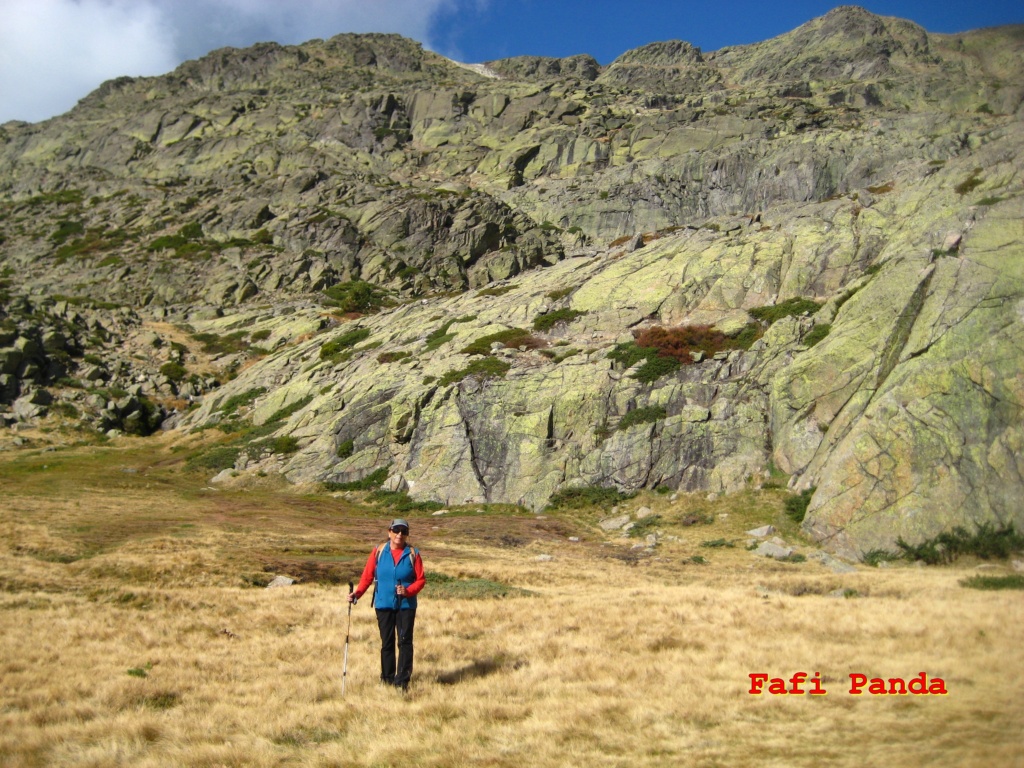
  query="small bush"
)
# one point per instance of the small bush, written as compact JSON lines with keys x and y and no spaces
{"x":750,"y":333}
{"x":1013,"y":581}
{"x":216,"y":458}
{"x":590,"y":496}
{"x":969,"y":184}
{"x":642,"y":416}
{"x":285,"y":445}
{"x":483,"y":368}
{"x":356,"y":296}
{"x":440,"y":336}
{"x":192,"y":231}
{"x":986,"y":543}
{"x":497,"y":291}
{"x":629,"y":354}
{"x":788,"y":308}
{"x":346,"y":341}
{"x":173,"y":371}
{"x":875,"y":557}
{"x":816,"y":334}
{"x":796,"y":506}
{"x":717,"y":544}
{"x":391,"y":357}
{"x":346,"y":449}
{"x":433,"y":342}
{"x":235,"y":402}
{"x":261,"y":335}
{"x":369,"y":483}
{"x":513,"y":337}
{"x":645,"y":526}
{"x":655,"y":368}
{"x":546,"y":322}
{"x":680,"y":343}
{"x":288,"y":411}
{"x":66,"y":229}
{"x":213,"y":344}
{"x":560,"y":294}
{"x":399,"y":501}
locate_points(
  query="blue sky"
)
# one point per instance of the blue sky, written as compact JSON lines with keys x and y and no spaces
{"x":607,"y":28}
{"x":53,"y":52}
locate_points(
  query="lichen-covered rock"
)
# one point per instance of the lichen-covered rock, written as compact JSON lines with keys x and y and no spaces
{"x":860,"y":166}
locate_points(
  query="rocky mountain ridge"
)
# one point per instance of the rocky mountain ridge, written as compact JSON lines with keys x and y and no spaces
{"x":684,"y":269}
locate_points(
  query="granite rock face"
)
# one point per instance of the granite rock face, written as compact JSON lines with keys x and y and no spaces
{"x":858,"y":164}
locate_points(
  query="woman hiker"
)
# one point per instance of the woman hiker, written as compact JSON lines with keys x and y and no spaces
{"x":397,"y":571}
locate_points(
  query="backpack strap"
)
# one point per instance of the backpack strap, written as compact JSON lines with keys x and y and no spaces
{"x":378,"y":552}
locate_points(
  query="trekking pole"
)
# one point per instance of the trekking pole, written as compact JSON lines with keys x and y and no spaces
{"x":348,"y":632}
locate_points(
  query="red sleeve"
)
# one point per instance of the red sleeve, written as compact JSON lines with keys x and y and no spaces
{"x":368,"y":571}
{"x":421,"y":578}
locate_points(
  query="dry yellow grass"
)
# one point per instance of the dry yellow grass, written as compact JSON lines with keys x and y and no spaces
{"x":114,"y":564}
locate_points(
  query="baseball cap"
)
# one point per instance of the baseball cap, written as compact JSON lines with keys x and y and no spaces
{"x":398,"y":523}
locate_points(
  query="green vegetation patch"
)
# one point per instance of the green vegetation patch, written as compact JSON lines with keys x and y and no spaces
{"x":333,"y":349}
{"x":986,"y":543}
{"x":66,"y":229}
{"x":560,"y":294}
{"x":286,"y":412}
{"x":371,"y":482}
{"x":629,"y":354}
{"x":356,"y":296}
{"x":655,"y":368}
{"x":441,"y":336}
{"x":496,"y":291}
{"x":645,"y":526}
{"x":664,"y":350}
{"x":788,"y":308}
{"x":215,"y":459}
{"x":445,"y":587}
{"x":546,"y":322}
{"x":817,"y":334}
{"x":484,"y":368}
{"x":969,"y":184}
{"x":233,"y":403}
{"x":588,"y":496}
{"x":796,"y":506}
{"x":174,"y":371}
{"x":94,"y":241}
{"x":1013,"y":581}
{"x":399,"y":501}
{"x":647,"y":415}
{"x":214,"y":344}
{"x":512,"y":337}
{"x":557,"y":357}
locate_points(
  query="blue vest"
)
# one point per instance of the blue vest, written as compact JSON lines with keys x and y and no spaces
{"x":389,"y":574}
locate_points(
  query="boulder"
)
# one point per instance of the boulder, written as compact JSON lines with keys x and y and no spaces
{"x":770,"y":549}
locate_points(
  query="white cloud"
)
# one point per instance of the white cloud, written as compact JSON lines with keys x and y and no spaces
{"x":203,"y":25}
{"x":53,"y":52}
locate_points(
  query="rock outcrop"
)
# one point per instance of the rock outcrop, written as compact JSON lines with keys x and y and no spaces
{"x":834,"y":214}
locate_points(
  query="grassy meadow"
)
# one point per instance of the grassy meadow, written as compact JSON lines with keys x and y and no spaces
{"x":136,"y":631}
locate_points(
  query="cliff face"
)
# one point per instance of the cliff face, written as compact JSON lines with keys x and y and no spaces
{"x":837,"y":211}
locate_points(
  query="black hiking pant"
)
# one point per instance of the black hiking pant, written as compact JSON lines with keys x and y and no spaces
{"x":396,"y":624}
